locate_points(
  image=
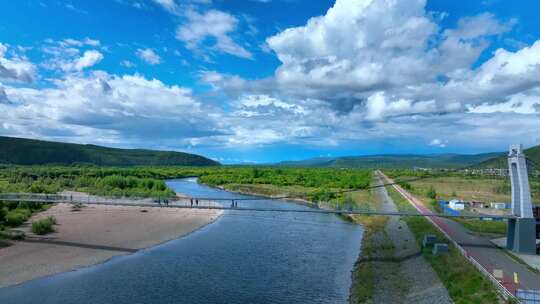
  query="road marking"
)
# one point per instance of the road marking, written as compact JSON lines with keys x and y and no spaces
{"x":498,"y":274}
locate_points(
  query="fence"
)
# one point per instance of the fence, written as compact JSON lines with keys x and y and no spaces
{"x":528,"y":296}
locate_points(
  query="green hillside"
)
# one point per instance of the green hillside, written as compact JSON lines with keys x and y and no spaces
{"x":501,"y":161}
{"x":23,"y":151}
{"x":396,"y":161}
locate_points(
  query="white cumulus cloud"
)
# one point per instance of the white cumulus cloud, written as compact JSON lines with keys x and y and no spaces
{"x":108,"y":108}
{"x":213,"y":24}
{"x":149,"y":56}
{"x":438,"y":143}
{"x":169,"y":5}
{"x":88,"y":59}
{"x":15,"y":68}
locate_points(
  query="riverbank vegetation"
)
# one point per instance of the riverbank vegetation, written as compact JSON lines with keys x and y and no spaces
{"x":375,"y":245}
{"x":313,"y":184}
{"x":307,"y":183}
{"x":140,"y":182}
{"x":14,"y":214}
{"x":44,"y":226}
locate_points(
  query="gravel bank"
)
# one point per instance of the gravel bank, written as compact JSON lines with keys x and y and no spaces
{"x":405,"y":277}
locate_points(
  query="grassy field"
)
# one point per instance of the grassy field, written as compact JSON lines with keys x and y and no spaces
{"x":465,"y":284}
{"x":484,"y":189}
{"x":468,"y":188}
{"x":491,"y":227}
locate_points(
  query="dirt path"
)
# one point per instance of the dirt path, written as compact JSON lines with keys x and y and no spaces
{"x":93,"y":235}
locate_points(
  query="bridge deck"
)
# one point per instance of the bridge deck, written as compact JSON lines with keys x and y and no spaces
{"x":212,"y":204}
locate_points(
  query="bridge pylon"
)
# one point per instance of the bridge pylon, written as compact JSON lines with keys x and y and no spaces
{"x":521,"y":233}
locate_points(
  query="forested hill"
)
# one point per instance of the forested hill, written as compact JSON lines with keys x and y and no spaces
{"x":502,"y":162}
{"x":396,"y":161}
{"x":22,"y":151}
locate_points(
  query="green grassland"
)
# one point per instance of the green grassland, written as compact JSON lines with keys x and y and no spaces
{"x":469,"y":188}
{"x":482,"y":226}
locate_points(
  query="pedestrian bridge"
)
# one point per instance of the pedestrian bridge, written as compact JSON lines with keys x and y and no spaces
{"x":211,"y":203}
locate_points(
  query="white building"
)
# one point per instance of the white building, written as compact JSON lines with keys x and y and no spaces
{"x":456,"y":205}
{"x":498,"y":206}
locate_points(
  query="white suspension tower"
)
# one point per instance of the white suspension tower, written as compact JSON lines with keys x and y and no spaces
{"x":521,"y":235}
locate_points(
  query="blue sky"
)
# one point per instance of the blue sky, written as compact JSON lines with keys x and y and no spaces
{"x":263,"y":81}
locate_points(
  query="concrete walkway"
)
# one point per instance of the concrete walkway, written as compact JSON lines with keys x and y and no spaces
{"x":481,"y":249}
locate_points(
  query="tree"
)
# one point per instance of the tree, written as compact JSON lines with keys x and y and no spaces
{"x":432,"y":193}
{"x":3,"y":212}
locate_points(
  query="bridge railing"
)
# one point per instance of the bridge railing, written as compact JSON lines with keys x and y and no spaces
{"x":203,"y":203}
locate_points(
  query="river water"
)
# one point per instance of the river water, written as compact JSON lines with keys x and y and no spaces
{"x":243,"y":257}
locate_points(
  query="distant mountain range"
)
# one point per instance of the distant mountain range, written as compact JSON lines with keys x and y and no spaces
{"x":22,"y":151}
{"x":396,"y":161}
{"x":501,"y":161}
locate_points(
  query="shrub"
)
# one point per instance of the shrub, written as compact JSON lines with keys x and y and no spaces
{"x":37,"y":188}
{"x":406,"y":186}
{"x":3,"y":213}
{"x":25,"y":212}
{"x":432,"y":193}
{"x":436,"y":206}
{"x":43,"y":226}
{"x":29,"y":206}
{"x":52,"y":219}
{"x":14,"y":218}
{"x":11,"y":205}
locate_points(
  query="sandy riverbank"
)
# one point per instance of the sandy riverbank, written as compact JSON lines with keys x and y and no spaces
{"x":93,"y":235}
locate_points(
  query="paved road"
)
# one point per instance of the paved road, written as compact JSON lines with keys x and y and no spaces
{"x":481,"y":249}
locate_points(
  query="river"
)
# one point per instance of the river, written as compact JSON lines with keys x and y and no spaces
{"x":243,"y":257}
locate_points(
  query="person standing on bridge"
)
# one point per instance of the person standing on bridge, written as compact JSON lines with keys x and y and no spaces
{"x":191,"y":201}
